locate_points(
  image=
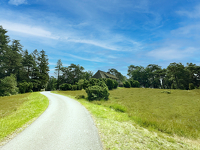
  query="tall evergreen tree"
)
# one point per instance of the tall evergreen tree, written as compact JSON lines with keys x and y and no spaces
{"x":43,"y":69}
{"x":58,"y":72}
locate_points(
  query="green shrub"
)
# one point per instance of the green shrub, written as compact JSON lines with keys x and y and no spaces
{"x":8,"y":86}
{"x":74,"y":87}
{"x":80,"y":96}
{"x":134,"y":83}
{"x":115,"y":84}
{"x":191,"y":86}
{"x":85,"y":84}
{"x":97,"y":92}
{"x":79,"y":87}
{"x":110,"y":83}
{"x":118,"y":107}
{"x":127,"y":84}
{"x":66,"y":86}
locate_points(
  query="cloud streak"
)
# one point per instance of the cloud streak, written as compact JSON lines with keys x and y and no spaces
{"x":17,"y":2}
{"x":27,"y":29}
{"x":87,"y":59}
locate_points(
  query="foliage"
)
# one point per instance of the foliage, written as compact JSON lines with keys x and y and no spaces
{"x":117,"y":74}
{"x":80,"y":96}
{"x":27,"y":68}
{"x":175,"y":76}
{"x":25,"y":87}
{"x":74,"y":87}
{"x":115,"y":84}
{"x":66,"y":86}
{"x":110,"y":83}
{"x":127,"y":84}
{"x":52,"y":84}
{"x":191,"y":86}
{"x":98,"y":92}
{"x":134,"y":83}
{"x":8,"y":86}
{"x":58,"y":72}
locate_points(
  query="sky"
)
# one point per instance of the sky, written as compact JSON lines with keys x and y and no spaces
{"x":105,"y":34}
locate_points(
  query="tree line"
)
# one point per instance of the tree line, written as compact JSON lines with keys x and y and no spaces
{"x":175,"y":76}
{"x":20,"y":71}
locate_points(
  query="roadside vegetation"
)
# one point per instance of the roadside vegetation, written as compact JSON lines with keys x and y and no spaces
{"x":18,"y":111}
{"x":171,"y":117}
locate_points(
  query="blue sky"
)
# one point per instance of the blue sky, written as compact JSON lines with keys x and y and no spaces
{"x":105,"y":34}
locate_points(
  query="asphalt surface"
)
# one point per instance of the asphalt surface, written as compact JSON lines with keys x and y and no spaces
{"x":65,"y":125}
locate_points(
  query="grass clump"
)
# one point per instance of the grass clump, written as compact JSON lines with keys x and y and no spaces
{"x":18,"y":110}
{"x":168,"y":92}
{"x":118,"y":107}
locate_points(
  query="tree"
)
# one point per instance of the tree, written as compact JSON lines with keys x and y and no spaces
{"x":178,"y":75}
{"x":28,"y":65}
{"x":117,"y":74}
{"x":88,"y":75}
{"x":139,"y":74}
{"x":58,"y":69}
{"x":43,"y":69}
{"x":52,"y":84}
{"x":153,"y":77}
{"x":72,"y":73}
{"x":4,"y":48}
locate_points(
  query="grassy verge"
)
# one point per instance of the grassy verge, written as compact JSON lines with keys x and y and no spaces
{"x":19,"y":110}
{"x":119,"y":131}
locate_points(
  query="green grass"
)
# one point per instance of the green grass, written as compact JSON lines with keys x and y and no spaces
{"x":19,"y":110}
{"x":120,"y":131}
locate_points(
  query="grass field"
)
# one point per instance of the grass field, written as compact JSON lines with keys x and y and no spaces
{"x":176,"y":113}
{"x":19,"y":110}
{"x":119,"y":131}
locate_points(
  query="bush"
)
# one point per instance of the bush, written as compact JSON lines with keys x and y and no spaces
{"x":66,"y":86}
{"x":127,"y":84}
{"x":74,"y":87}
{"x":79,"y":87}
{"x":8,"y":86}
{"x":97,"y":92}
{"x":110,"y":83}
{"x":80,"y":96}
{"x":134,"y":83}
{"x":191,"y":86}
{"x":115,"y":84}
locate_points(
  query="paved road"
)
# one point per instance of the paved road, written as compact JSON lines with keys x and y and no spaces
{"x":65,"y":125}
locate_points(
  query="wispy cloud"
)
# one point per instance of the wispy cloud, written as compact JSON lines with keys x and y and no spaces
{"x":195,"y":13}
{"x":17,"y":2}
{"x":173,"y":52}
{"x":27,"y":29}
{"x":87,"y":59}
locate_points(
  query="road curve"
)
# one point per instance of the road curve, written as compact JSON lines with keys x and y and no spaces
{"x":65,"y":125}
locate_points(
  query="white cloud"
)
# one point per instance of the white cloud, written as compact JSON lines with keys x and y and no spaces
{"x":195,"y":13}
{"x":88,"y":59}
{"x":172,"y":53}
{"x":92,"y":42}
{"x":17,"y":2}
{"x":191,"y":30}
{"x":27,"y":29}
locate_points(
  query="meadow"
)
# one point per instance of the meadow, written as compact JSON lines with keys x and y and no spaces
{"x":19,"y":111}
{"x":175,"y":112}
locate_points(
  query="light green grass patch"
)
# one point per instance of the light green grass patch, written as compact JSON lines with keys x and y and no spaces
{"x":33,"y":106}
{"x":118,"y":131}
